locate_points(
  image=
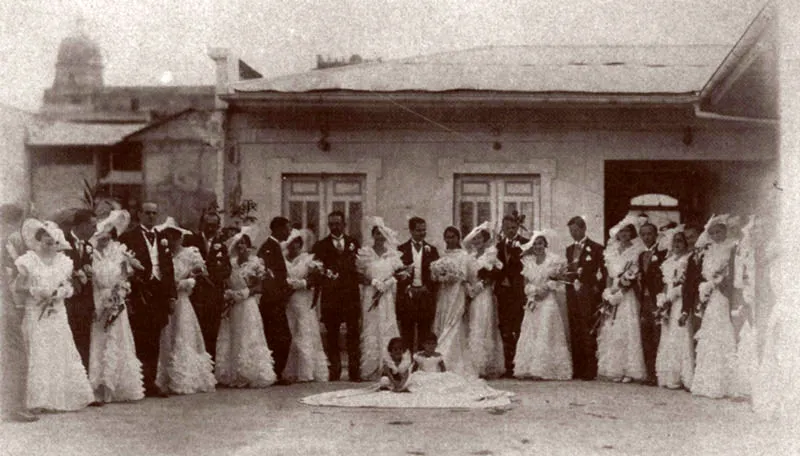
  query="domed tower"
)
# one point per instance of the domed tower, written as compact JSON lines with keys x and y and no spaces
{"x":79,"y":73}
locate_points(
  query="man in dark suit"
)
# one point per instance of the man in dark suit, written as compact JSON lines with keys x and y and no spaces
{"x":152,"y":291}
{"x":340,"y":297}
{"x":80,"y":307}
{"x":510,"y":289}
{"x":694,"y":275}
{"x":649,"y":286}
{"x":586,"y":283}
{"x":275,"y":295}
{"x":416,"y":299}
{"x":208,"y":295}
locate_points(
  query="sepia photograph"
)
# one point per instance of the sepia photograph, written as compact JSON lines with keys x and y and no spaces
{"x":400,"y":227}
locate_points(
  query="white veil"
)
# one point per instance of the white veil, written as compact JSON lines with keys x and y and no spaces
{"x":372,"y":222}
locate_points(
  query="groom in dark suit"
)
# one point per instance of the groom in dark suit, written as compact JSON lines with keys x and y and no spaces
{"x":586,"y":283}
{"x":340,"y":296}
{"x":510,"y":289}
{"x":207,"y":296}
{"x":80,"y":307}
{"x":416,"y":299}
{"x":650,"y":285}
{"x":275,"y":295}
{"x":152,"y":291}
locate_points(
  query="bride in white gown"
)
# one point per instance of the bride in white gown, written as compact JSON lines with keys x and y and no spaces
{"x":716,"y":339}
{"x":620,"y":356}
{"x":243,"y":358}
{"x":542,"y":350}
{"x":56,"y":377}
{"x":377,"y":264}
{"x":307,"y":360}
{"x":184,"y":366}
{"x":450,"y":323}
{"x":114,"y":370}
{"x":484,"y":341}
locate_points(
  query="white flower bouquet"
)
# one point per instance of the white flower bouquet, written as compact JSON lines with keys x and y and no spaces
{"x":447,"y":270}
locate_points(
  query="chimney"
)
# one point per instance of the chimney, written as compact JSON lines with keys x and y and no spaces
{"x":227,"y":72}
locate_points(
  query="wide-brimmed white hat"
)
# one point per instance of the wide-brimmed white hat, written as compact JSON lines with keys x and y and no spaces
{"x":373,"y":221}
{"x":32,"y":226}
{"x":251,"y":231}
{"x":171,"y":224}
{"x":722,"y":219}
{"x":118,"y":219}
{"x":485,"y":226}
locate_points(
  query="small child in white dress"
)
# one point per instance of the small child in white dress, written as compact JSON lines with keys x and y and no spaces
{"x":396,"y":367}
{"x":429,"y":360}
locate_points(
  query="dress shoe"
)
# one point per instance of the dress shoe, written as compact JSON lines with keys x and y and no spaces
{"x":97,"y":404}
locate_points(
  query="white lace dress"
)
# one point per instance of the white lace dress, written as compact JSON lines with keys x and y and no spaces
{"x":484,"y":341}
{"x":716,"y":340}
{"x":675,"y":356}
{"x":378,"y":323}
{"x":542,"y":349}
{"x":184,"y":366}
{"x":243,"y":357}
{"x":619,"y":344}
{"x":306,"y":360}
{"x":451,"y":323}
{"x":112,"y":356}
{"x":56,"y":378}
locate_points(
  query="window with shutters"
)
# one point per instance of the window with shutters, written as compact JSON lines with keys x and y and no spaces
{"x":479,"y":198}
{"x":309,"y":198}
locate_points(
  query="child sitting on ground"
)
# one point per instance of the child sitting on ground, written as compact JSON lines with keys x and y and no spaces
{"x":429,"y":360}
{"x":396,"y":367}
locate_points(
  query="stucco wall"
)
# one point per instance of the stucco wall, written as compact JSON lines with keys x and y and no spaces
{"x":15,"y":181}
{"x":60,"y":186}
{"x":411,"y":168}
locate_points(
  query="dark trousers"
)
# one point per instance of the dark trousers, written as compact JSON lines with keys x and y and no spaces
{"x":415,"y":317}
{"x":276,"y":328}
{"x":651,"y":333}
{"x":332,"y":324}
{"x":80,"y":313}
{"x":207,"y":303}
{"x":581,"y":307}
{"x":510,"y":311}
{"x":148,"y":316}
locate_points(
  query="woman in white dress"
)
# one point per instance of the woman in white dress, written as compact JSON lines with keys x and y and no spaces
{"x":114,"y":370}
{"x":377,"y":264}
{"x":451,"y":323}
{"x":542,"y":350}
{"x":306,"y":361}
{"x":184,"y":366}
{"x":243,"y":357}
{"x":56,"y":377}
{"x":716,"y":339}
{"x":620,"y":357}
{"x":675,"y":356}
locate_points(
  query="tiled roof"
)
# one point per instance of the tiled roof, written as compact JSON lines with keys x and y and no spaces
{"x":654,"y":69}
{"x":79,"y":134}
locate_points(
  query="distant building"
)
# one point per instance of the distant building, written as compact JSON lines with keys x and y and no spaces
{"x":132,"y":143}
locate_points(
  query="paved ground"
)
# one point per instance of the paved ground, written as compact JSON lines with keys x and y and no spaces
{"x":547,"y":418}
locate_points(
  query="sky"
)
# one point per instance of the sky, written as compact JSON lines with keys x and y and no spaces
{"x":145,"y":42}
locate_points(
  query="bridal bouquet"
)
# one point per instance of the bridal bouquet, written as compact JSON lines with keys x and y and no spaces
{"x":117,"y":300}
{"x":253,"y":270}
{"x":49,"y":298}
{"x":447,"y":270}
{"x":627,"y":277}
{"x":231,"y":297}
{"x":381,"y":287}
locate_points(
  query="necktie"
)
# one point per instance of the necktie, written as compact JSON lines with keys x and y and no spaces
{"x":151,"y":236}
{"x":418,"y":246}
{"x":340,"y":244}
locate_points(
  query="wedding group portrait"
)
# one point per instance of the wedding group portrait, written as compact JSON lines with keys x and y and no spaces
{"x":271,"y":227}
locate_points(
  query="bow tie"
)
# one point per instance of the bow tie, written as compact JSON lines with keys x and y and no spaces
{"x":150,"y":235}
{"x":418,"y":245}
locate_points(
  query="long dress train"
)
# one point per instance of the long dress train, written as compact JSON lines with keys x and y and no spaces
{"x":484,"y":341}
{"x":112,"y":355}
{"x":243,"y":357}
{"x":378,"y":323}
{"x":184,"y":366}
{"x":306,"y":361}
{"x":56,"y":377}
{"x":542,"y":349}
{"x":619,"y":344}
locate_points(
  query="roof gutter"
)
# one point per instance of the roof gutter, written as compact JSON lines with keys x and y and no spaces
{"x":700,"y":114}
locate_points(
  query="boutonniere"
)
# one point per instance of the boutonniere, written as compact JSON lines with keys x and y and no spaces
{"x":588,"y":248}
{"x":654,"y":258}
{"x":89,"y":249}
{"x":164,"y":242}
{"x":352,"y":247}
{"x":515,"y":244}
{"x":588,"y":258}
{"x":219,"y":254}
{"x":216,"y":246}
{"x":427,"y":248}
